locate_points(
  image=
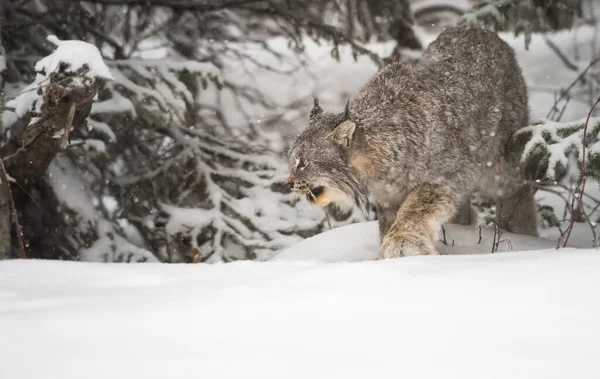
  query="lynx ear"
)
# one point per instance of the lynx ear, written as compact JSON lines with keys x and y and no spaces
{"x":316,"y":110}
{"x":343,"y":133}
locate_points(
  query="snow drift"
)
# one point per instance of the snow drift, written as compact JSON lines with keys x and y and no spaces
{"x":527,"y":314}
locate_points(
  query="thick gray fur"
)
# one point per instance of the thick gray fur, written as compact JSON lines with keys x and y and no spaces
{"x":425,"y":135}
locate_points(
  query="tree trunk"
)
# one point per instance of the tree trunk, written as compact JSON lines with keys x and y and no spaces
{"x":4,"y":206}
{"x":27,"y":154}
{"x":4,"y":224}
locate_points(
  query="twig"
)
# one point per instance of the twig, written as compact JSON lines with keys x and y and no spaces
{"x":570,"y":65}
{"x":566,"y":91}
{"x":577,"y":211}
{"x":562,"y":111}
{"x":510,"y":246}
{"x":497,"y":231}
{"x":444,"y":241}
{"x":496,"y":241}
{"x":592,"y":227}
{"x":68,"y":124}
{"x":13,"y":210}
{"x":41,"y":86}
{"x":17,"y":152}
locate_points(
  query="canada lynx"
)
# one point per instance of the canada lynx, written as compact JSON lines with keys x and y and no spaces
{"x":420,"y":137}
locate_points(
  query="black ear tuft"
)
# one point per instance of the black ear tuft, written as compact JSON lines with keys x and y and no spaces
{"x":347,"y":111}
{"x":316,"y":110}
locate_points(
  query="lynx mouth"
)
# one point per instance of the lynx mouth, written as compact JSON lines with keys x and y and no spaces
{"x":315,"y":193}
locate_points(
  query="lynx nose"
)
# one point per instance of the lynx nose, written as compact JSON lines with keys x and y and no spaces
{"x":297,"y":185}
{"x":290,"y":182}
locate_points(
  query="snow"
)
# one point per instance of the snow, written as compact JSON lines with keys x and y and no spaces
{"x":117,"y":104}
{"x":181,"y":218}
{"x":421,"y":5}
{"x":71,"y":189}
{"x":545,"y":73}
{"x":28,"y":98}
{"x":9,"y":178}
{"x":74,"y":53}
{"x":516,"y":315}
{"x":101,"y":127}
{"x":360,"y":242}
{"x":7,"y":119}
{"x":111,"y":247}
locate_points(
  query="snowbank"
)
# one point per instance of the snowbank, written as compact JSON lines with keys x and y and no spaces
{"x":360,"y":242}
{"x":508,"y":315}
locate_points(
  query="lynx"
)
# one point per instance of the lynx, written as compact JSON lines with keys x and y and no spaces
{"x":420,"y":138}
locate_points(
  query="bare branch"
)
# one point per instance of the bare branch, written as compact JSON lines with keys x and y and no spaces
{"x":13,"y":209}
{"x":578,"y":210}
{"x":566,"y":91}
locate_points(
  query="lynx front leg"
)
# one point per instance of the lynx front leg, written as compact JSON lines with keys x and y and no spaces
{"x":415,"y":229}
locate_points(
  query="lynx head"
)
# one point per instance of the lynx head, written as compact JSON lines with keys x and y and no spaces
{"x":318,"y":161}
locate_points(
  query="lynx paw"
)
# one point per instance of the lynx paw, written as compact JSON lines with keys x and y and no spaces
{"x":394,"y":246}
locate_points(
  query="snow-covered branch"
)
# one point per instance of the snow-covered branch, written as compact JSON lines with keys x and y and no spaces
{"x":548,"y":145}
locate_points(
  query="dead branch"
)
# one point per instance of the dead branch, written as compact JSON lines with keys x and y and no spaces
{"x":567,"y":62}
{"x":570,"y":87}
{"x":13,"y":210}
{"x":578,"y":210}
{"x":33,"y":146}
{"x":497,"y":231}
{"x":444,"y":241}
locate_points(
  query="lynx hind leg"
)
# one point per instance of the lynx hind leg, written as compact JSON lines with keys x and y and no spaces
{"x":515,"y":203}
{"x":465,"y":214}
{"x":415,"y":228}
{"x":518,"y":214}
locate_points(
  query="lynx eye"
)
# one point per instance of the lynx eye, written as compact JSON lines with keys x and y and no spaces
{"x":301,"y":164}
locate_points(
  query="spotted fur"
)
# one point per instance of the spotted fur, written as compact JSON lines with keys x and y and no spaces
{"x":420,"y":138}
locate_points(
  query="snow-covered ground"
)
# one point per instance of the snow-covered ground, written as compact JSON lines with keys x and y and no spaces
{"x":360,"y":242}
{"x":528,"y":314}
